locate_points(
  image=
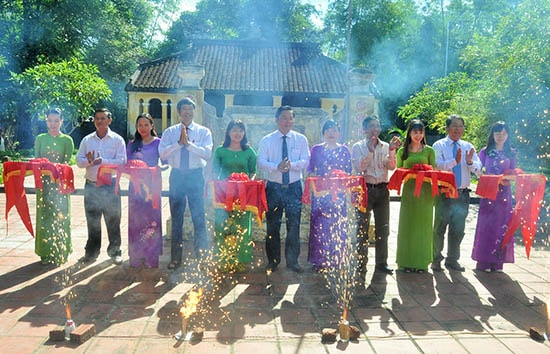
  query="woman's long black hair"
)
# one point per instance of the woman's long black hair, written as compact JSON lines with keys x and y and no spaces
{"x":491,"y":144}
{"x":235,"y":123}
{"x":138,"y":139}
{"x":415,"y":124}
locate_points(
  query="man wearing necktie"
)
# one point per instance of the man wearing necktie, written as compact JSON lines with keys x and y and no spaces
{"x":282,"y":156}
{"x":458,"y":156}
{"x":187,"y":146}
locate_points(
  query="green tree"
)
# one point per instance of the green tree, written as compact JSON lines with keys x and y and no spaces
{"x":407,"y":43}
{"x":73,"y":86}
{"x":511,"y":66}
{"x":110,"y":34}
{"x":271,"y":20}
{"x":505,"y":77}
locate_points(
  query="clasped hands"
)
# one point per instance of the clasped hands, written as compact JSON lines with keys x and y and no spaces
{"x":184,"y":138}
{"x":92,"y":159}
{"x":284,"y":166}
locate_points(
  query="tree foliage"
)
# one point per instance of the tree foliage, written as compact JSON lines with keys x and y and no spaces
{"x":107,"y":33}
{"x":112,"y":35}
{"x":71,"y":85}
{"x":270,"y":20}
{"x":505,"y":77}
{"x":408,"y":43}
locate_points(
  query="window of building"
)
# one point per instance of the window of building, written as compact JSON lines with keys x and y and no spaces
{"x":253,"y":100}
{"x":169,"y":113}
{"x":155,"y":110}
{"x":301,"y":101}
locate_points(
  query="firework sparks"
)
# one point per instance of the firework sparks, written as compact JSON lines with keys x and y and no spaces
{"x":68,"y":311}
{"x":188,"y":309}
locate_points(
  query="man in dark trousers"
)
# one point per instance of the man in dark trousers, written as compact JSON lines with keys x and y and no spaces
{"x":282,"y":156}
{"x":458,"y":156}
{"x":103,"y":146}
{"x":186,"y":146}
{"x":373,"y":158}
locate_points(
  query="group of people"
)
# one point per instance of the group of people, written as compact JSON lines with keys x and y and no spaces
{"x":283,"y":156}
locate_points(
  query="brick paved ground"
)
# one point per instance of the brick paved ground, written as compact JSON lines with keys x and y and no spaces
{"x":137,"y":310}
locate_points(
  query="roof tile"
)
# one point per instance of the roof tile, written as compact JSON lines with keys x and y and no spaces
{"x":247,"y":67}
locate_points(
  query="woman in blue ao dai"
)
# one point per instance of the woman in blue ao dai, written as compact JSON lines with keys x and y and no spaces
{"x":328,"y":226}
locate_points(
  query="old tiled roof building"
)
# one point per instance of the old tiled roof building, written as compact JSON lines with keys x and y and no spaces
{"x":247,"y":80}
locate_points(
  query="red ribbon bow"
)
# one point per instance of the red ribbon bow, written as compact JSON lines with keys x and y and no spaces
{"x":424,"y":173}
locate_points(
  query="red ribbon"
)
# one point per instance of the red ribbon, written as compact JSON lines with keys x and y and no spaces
{"x":425,"y":173}
{"x":487,"y":187}
{"x":334,"y":184}
{"x":529,"y":195}
{"x":146,"y":180}
{"x":14,"y":178}
{"x":238,"y":191}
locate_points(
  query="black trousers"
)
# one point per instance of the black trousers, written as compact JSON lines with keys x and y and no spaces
{"x":450,"y":214}
{"x":287,"y":198}
{"x":98,"y":202}
{"x":379,"y":204}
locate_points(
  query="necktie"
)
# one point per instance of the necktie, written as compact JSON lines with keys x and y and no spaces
{"x":457,"y":170}
{"x":286,"y":175}
{"x":184,"y":157}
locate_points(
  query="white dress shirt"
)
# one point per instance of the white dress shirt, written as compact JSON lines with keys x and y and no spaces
{"x":111,"y":148}
{"x":378,"y":162}
{"x":200,"y":145}
{"x":445,"y":161}
{"x":270,"y":154}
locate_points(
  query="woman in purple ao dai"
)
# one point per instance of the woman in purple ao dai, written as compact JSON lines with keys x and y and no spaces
{"x":144,"y":221}
{"x":328,"y":226}
{"x":492,"y":221}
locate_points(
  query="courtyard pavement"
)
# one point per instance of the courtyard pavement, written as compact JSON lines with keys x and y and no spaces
{"x":137,"y":310}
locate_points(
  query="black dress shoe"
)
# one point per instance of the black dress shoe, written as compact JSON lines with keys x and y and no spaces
{"x":384,"y":269}
{"x":436,"y":267}
{"x":87,"y":259}
{"x":455,"y":266}
{"x":295,"y":268}
{"x":271,"y":267}
{"x":173,"y":265}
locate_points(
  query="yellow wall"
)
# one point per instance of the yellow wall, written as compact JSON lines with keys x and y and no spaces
{"x":134,"y":107}
{"x":258,"y":123}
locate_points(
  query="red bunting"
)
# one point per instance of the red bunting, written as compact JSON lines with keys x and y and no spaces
{"x":425,"y":173}
{"x":14,"y":178}
{"x":146,"y":180}
{"x":336,"y":183}
{"x":239,"y":192}
{"x":529,"y":195}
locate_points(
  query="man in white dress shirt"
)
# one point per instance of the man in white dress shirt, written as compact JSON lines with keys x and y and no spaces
{"x":373,"y":158}
{"x":284,"y":187}
{"x":101,"y":147}
{"x":458,"y":156}
{"x":186,"y":146}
